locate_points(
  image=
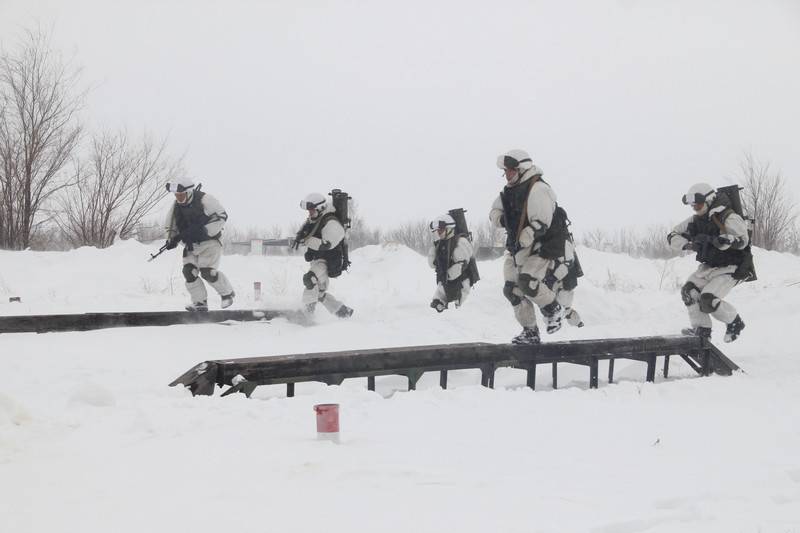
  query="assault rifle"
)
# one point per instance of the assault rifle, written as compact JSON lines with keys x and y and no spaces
{"x":159,"y":252}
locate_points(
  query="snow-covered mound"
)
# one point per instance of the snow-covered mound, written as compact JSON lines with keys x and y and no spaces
{"x":92,"y":439}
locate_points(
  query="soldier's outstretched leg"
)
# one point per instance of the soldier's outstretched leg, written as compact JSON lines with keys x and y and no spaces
{"x":565,"y":298}
{"x":530,"y":281}
{"x":195,"y":285}
{"x":316,"y":286}
{"x":334,"y":306}
{"x":523,"y":308}
{"x":711,"y":301}
{"x":311,"y":292}
{"x":699,"y":322}
{"x":209,"y":254}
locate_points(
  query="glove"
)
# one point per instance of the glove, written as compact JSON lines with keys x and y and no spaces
{"x":173,"y":242}
{"x":699,"y":242}
{"x":723,"y":242}
{"x":195,"y":233}
{"x":438,"y":305}
{"x":678,"y":241}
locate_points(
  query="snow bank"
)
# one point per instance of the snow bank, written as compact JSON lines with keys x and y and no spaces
{"x":92,"y":439}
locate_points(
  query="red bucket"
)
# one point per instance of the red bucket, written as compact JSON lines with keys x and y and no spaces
{"x":327,"y":421}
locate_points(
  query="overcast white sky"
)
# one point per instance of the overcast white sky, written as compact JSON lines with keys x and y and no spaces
{"x":406,"y":105}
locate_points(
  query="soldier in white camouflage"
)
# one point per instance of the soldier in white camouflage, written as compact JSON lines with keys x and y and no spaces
{"x":720,"y":238}
{"x":197,"y":219}
{"x":540,"y":263}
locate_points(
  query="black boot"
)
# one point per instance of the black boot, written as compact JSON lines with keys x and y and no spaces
{"x":699,"y":331}
{"x":438,"y":305}
{"x":553,"y":314}
{"x":197,"y":307}
{"x":344,"y":312}
{"x":734,"y":329}
{"x":227,"y":300}
{"x":528,"y":336}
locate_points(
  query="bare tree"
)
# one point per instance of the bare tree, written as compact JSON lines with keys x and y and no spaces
{"x":416,"y":235}
{"x":115,"y":189}
{"x":360,"y":234}
{"x":765,"y":198}
{"x":487,"y":235}
{"x":39,"y":101}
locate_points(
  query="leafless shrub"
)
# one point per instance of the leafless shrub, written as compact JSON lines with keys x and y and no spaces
{"x":416,"y":235}
{"x":360,"y":233}
{"x":650,"y":243}
{"x":766,"y":199}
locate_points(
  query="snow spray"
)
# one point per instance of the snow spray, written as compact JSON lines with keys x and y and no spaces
{"x":327,"y":421}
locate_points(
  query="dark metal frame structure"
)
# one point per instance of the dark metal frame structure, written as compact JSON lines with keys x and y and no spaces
{"x":89,"y":321}
{"x":243,"y":375}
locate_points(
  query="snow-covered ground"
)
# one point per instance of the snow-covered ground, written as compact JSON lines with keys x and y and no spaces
{"x":93,"y":440}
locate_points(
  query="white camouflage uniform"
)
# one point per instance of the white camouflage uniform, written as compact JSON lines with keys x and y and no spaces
{"x":713,"y":282}
{"x":462,"y":253}
{"x":540,"y":208}
{"x":333,"y":234}
{"x":201,"y":260}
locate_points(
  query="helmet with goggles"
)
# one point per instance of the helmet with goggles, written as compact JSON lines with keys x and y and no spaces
{"x":700,"y":197}
{"x":514,"y":160}
{"x":314,"y":202}
{"x":182,"y":188}
{"x":443,"y":227}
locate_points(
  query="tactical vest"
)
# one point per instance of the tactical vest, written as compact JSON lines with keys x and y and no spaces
{"x":443,"y":260}
{"x":192,"y":214}
{"x":554,"y":240}
{"x":334,"y":258}
{"x":704,"y":225}
{"x":513,"y":199}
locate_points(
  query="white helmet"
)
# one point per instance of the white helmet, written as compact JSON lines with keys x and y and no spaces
{"x":520,"y":161}
{"x":442,"y":227}
{"x":515,"y":159}
{"x":314,"y":201}
{"x":181,"y":185}
{"x":701,"y":194}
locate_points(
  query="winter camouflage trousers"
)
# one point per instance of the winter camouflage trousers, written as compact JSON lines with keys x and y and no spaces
{"x":535,"y":280}
{"x":200,"y":263}
{"x":441,"y":295}
{"x":703,"y":295}
{"x":316,"y":288}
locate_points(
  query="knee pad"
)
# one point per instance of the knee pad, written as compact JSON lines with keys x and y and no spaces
{"x":209,"y":274}
{"x":528,"y":285}
{"x":508,"y":292}
{"x":309,"y":280}
{"x":190,"y":272}
{"x":709,"y":303}
{"x":689,"y":293}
